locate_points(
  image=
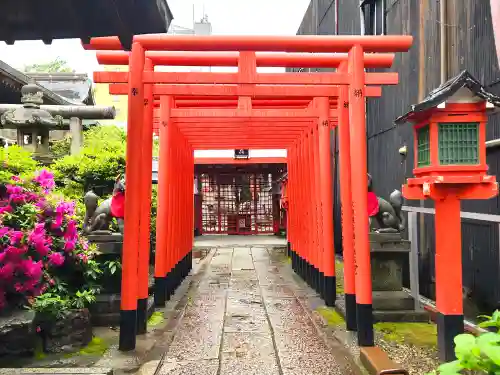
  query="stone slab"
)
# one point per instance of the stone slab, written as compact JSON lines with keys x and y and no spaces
{"x":249,"y":354}
{"x":199,"y":367}
{"x":244,"y":316}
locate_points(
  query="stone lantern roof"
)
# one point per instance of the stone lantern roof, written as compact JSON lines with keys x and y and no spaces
{"x":30,"y":114}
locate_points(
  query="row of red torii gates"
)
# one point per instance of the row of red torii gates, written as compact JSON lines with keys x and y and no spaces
{"x":246,"y":109}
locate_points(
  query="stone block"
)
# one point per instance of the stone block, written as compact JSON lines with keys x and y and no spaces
{"x":392,"y":301}
{"x":105,"y":311}
{"x":387,"y":271}
{"x":65,"y":334}
{"x":17,"y":334}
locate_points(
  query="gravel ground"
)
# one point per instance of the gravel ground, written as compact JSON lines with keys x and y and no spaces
{"x":417,"y":360}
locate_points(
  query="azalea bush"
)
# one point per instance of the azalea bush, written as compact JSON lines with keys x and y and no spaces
{"x":476,"y":355}
{"x":40,"y":248}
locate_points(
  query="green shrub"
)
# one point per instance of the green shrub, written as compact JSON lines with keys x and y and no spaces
{"x":16,"y":161}
{"x":96,"y":167}
{"x":481,"y":354}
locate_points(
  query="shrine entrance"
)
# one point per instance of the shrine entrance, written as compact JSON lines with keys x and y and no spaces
{"x":237,"y":202}
{"x":292,"y":111}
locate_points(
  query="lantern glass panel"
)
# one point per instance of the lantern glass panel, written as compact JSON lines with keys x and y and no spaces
{"x":459,"y":143}
{"x":423,"y":146}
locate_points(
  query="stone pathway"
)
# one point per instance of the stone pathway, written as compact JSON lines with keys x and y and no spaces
{"x":245,"y":316}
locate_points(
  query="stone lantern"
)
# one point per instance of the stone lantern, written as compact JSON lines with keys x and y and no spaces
{"x":450,"y":165}
{"x":32,"y":123}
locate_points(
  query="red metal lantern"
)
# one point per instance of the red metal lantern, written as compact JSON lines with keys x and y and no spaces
{"x":450,"y":165}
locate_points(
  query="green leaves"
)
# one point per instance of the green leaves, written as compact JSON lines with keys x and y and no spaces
{"x":479,"y":354}
{"x":113,"y":266}
{"x":15,"y":161}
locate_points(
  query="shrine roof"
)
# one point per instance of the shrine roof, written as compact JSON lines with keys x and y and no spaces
{"x":76,"y":88}
{"x":446,"y":91}
{"x":69,"y":92}
{"x":63,"y":19}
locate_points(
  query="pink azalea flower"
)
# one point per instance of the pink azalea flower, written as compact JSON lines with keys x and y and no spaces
{"x":56,"y":259}
{"x":5,"y":209}
{"x":14,"y":253}
{"x":15,"y":237}
{"x":84,"y":258}
{"x":67,"y":208}
{"x":3,"y":231}
{"x":71,"y":231}
{"x":42,"y":248}
{"x":56,"y":224}
{"x":7,"y":272}
{"x":32,"y":269}
{"x":45,"y":179}
{"x":14,"y":189}
{"x":69,"y":245}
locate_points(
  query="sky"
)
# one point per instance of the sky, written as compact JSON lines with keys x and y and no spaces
{"x":228,"y":17}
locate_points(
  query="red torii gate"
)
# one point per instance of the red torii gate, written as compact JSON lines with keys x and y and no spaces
{"x":309,"y":159}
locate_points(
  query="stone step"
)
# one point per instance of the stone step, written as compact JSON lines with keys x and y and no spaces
{"x":57,"y":371}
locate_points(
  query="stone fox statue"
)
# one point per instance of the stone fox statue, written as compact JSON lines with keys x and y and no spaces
{"x":98,"y":217}
{"x":389,"y":218}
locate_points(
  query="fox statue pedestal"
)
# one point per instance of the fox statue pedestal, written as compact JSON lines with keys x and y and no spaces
{"x":105,"y":311}
{"x":390,"y":302}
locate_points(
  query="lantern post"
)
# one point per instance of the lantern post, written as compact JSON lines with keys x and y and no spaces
{"x":449,"y":128}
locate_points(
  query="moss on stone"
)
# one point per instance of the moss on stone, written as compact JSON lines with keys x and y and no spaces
{"x":332,"y":317}
{"x":339,"y":272}
{"x":39,"y":353}
{"x":96,"y":346}
{"x":156,"y":319}
{"x":418,"y":334}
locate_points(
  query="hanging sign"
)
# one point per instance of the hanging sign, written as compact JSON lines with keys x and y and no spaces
{"x":241,"y":154}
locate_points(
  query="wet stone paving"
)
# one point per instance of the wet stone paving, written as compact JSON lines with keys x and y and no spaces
{"x":245,"y":316}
